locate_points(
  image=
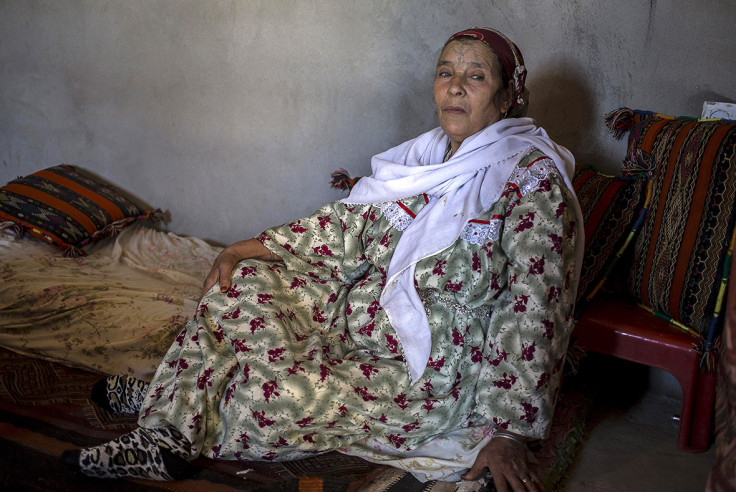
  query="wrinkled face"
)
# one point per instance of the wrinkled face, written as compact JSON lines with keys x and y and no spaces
{"x":468,"y":89}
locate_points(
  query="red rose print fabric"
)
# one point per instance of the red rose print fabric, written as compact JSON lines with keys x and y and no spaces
{"x":298,"y":357}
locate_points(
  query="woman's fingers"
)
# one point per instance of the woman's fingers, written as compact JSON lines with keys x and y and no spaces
{"x":474,"y":473}
{"x":535,"y":484}
{"x":522,"y":481}
{"x":211,"y":279}
{"x":220,"y":272}
{"x":224,"y":271}
{"x":517,"y":482}
{"x":508,"y":464}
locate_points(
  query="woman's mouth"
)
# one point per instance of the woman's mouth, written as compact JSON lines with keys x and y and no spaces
{"x":454,"y":110}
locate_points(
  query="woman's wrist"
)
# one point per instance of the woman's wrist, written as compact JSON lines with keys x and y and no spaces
{"x":247,"y":249}
{"x":510,"y":436}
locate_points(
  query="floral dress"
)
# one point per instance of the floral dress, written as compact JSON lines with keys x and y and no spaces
{"x":298,"y":357}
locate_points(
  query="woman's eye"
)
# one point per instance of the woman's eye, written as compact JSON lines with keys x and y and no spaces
{"x":478,"y":77}
{"x":443,"y":74}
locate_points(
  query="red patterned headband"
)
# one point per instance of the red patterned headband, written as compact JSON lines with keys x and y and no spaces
{"x":508,"y":54}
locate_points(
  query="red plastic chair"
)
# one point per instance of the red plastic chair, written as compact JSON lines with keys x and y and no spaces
{"x":628,"y":332}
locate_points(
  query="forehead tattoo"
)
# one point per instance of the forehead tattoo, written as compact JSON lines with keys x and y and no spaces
{"x":465,"y":48}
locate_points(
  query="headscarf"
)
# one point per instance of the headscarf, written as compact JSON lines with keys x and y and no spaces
{"x":460,"y":189}
{"x":508,"y":54}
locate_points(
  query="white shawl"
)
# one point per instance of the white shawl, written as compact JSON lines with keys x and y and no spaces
{"x":462,"y":188}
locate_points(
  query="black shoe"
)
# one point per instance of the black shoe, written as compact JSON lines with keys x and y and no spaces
{"x":99,"y":395}
{"x":70,"y":459}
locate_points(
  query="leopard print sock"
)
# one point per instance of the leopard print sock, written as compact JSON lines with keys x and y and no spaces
{"x":119,"y":394}
{"x":154,"y":454}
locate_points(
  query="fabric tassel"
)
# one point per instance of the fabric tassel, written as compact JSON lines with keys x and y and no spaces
{"x":154,"y":216}
{"x":709,"y":354}
{"x":638,"y":162}
{"x":74,"y":252}
{"x":113,"y":228}
{"x":341,"y":180}
{"x":619,"y":122}
{"x":13,"y":227}
{"x":574,"y":357}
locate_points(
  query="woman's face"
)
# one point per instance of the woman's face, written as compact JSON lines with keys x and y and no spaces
{"x":468,"y":90}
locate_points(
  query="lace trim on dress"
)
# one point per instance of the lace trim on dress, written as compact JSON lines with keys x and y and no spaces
{"x":529,"y":178}
{"x":526,"y":179}
{"x":478,"y":232}
{"x":396,"y":215}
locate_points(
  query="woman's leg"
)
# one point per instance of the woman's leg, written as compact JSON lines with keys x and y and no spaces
{"x":119,"y":394}
{"x":154,"y":454}
{"x":157,"y":452}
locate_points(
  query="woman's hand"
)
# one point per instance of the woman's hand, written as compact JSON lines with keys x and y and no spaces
{"x":507,"y":461}
{"x":222,"y":268}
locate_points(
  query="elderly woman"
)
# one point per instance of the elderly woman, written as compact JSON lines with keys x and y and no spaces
{"x":421,"y":322}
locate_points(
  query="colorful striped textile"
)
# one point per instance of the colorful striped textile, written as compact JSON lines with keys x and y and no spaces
{"x":610,"y":207}
{"x":683,"y":243}
{"x":67,"y":208}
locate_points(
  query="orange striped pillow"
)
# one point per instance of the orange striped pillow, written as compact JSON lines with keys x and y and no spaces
{"x":610,"y":206}
{"x":683,"y":243}
{"x":67,"y":208}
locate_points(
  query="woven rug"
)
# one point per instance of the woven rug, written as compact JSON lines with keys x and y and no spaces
{"x":45,"y":410}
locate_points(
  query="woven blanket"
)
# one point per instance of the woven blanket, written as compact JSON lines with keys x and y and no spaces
{"x":45,"y":410}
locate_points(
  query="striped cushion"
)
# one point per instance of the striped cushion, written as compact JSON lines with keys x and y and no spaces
{"x":66,"y":207}
{"x":610,"y":207}
{"x":680,"y":252}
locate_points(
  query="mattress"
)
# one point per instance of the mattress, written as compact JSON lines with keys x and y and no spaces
{"x":114,"y":311}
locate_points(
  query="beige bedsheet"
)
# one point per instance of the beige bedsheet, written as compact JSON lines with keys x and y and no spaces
{"x":114,"y":311}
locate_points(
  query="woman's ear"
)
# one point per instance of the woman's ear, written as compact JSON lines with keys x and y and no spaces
{"x":503,"y":98}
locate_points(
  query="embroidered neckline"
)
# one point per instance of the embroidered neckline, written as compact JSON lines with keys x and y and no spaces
{"x":478,"y":231}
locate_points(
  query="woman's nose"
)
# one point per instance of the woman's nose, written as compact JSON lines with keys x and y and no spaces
{"x":456,"y":87}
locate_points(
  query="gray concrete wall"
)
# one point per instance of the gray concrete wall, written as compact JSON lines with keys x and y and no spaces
{"x":232,"y":114}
